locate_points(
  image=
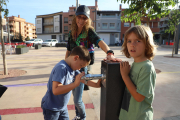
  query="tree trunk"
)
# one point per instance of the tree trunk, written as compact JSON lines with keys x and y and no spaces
{"x":2,"y":43}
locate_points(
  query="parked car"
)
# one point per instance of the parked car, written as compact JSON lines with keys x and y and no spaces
{"x":34,"y":41}
{"x":50,"y":42}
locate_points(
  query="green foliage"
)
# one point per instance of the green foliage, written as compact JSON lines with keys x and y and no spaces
{"x":5,"y":10}
{"x":174,"y":17}
{"x":27,"y":38}
{"x":20,"y":46}
{"x":150,"y":9}
{"x":18,"y":36}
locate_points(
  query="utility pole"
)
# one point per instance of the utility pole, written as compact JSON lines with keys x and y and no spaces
{"x":77,"y":4}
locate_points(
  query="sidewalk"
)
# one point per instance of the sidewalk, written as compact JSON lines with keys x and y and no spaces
{"x":22,"y":99}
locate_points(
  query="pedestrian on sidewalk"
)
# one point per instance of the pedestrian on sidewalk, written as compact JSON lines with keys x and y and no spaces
{"x":140,"y":77}
{"x":82,"y":33}
{"x":64,"y":77}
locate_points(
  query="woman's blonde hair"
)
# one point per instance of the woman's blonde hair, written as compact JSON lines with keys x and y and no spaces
{"x":74,"y":26}
{"x":143,"y":33}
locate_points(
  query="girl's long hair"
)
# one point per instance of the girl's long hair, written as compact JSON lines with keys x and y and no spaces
{"x":74,"y":27}
{"x":143,"y":33}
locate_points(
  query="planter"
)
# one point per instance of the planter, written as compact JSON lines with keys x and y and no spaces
{"x":37,"y":46}
{"x":22,"y":50}
{"x":61,"y":45}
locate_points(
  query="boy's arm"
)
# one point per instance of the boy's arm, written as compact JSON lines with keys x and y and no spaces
{"x":58,"y":88}
{"x":125,"y":69}
{"x":92,"y":83}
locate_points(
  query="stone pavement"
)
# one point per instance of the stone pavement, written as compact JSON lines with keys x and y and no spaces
{"x":22,"y":99}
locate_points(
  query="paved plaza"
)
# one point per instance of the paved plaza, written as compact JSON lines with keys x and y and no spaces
{"x":22,"y":99}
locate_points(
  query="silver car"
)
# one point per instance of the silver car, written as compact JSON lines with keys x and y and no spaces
{"x":50,"y":42}
{"x":34,"y":41}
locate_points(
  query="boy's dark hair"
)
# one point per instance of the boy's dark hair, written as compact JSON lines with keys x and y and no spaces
{"x":82,"y":52}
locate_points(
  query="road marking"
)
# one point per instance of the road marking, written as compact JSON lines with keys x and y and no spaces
{"x":36,"y":109}
{"x":22,"y":85}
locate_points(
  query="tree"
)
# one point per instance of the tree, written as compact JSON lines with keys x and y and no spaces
{"x":148,"y":9}
{"x":27,"y":38}
{"x":3,"y":2}
{"x":173,"y":22}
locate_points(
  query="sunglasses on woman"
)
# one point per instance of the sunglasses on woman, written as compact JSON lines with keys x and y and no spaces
{"x":83,"y":18}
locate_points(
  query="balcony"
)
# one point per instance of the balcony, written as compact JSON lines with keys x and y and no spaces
{"x":71,"y":12}
{"x":163,"y":25}
{"x":11,"y":24}
{"x":11,"y":28}
{"x":48,"y":23}
{"x":48,"y":31}
{"x":164,"y":19}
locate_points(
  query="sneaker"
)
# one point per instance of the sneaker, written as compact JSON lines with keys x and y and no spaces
{"x":76,"y":118}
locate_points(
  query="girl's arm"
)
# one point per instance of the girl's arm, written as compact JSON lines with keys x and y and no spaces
{"x":92,"y":83}
{"x":124,"y":70}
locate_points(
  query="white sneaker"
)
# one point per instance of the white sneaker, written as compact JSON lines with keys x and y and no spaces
{"x":76,"y":118}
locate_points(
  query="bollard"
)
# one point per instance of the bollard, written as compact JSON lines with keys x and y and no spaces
{"x":112,"y":91}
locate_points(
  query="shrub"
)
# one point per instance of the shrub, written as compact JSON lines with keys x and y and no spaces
{"x":20,"y":46}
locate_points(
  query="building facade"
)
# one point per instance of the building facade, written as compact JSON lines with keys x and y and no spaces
{"x":19,"y":25}
{"x":49,"y":26}
{"x":58,"y":25}
{"x":108,"y":26}
{"x":153,"y":24}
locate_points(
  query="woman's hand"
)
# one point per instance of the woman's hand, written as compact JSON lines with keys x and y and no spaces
{"x":124,"y":68}
{"x":112,"y":58}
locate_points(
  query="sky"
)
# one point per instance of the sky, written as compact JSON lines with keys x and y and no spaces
{"x":28,"y":9}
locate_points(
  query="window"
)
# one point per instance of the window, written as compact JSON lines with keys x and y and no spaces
{"x":38,"y":22}
{"x":112,"y":25}
{"x":56,"y":19}
{"x":65,"y":28}
{"x":65,"y":20}
{"x":99,"y":25}
{"x":108,"y":15}
{"x":53,"y":36}
{"x":118,"y":25}
{"x":104,"y":25}
{"x":132,"y":24}
{"x":38,"y":29}
{"x":126,"y":24}
{"x":56,"y":28}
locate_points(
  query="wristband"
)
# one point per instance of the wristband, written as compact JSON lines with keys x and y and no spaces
{"x":110,"y":51}
{"x":110,"y":54}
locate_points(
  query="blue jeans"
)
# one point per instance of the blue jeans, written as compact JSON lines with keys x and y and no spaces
{"x":79,"y":105}
{"x":55,"y":115}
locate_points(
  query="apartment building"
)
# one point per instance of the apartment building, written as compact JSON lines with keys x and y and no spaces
{"x":108,"y":26}
{"x":49,"y":26}
{"x":153,"y":24}
{"x":58,"y":25}
{"x":19,"y":25}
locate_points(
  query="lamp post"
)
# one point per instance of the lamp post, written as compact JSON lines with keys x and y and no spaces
{"x":77,"y":4}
